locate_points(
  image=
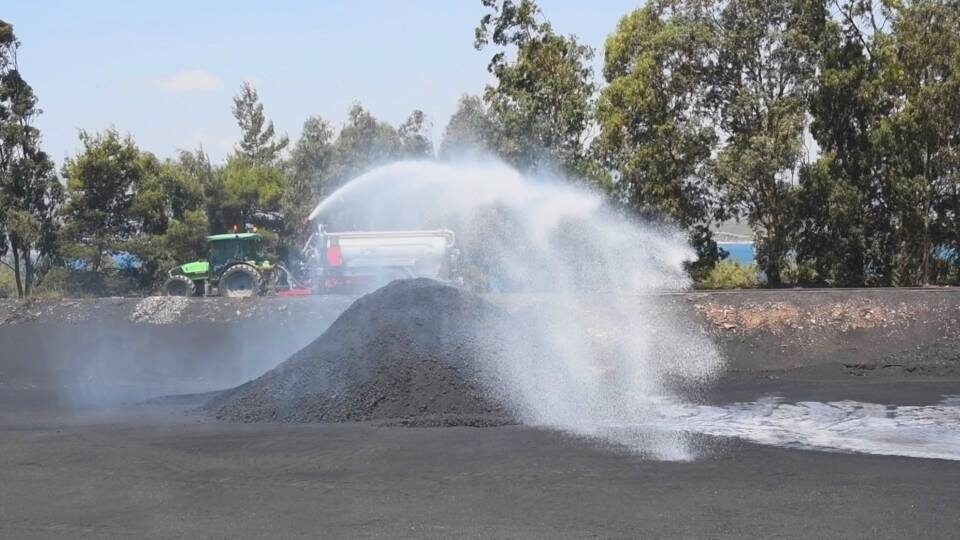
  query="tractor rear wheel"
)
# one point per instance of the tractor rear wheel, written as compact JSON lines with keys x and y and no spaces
{"x":241,"y":281}
{"x":179,"y":286}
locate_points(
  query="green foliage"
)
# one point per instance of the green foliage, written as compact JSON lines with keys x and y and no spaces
{"x":321,"y":162}
{"x":23,"y":225}
{"x":270,"y":246}
{"x":258,"y":143}
{"x":61,"y":282}
{"x":828,"y":231}
{"x":310,"y":163}
{"x":654,"y":127}
{"x":924,"y":132}
{"x":887,"y":115}
{"x":56,"y":283}
{"x":847,"y":245}
{"x":183,"y":240}
{"x":249,"y":189}
{"x":704,"y":115}
{"x":8,"y":286}
{"x":30,"y":195}
{"x":166,"y":192}
{"x":186,"y":240}
{"x":363,"y":143}
{"x":730,"y":275}
{"x":207,"y":180}
{"x":801,"y":275}
{"x":767,"y":56}
{"x":541,"y":104}
{"x":469,"y":131}
{"x":414,"y":137}
{"x":508,"y":22}
{"x":152,"y":259}
{"x":103,"y":182}
{"x":125,"y":201}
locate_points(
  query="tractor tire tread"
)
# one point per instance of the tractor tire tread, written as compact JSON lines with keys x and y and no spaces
{"x":247,"y":269}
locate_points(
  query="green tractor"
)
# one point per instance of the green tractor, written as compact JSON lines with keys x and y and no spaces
{"x":235,"y":268}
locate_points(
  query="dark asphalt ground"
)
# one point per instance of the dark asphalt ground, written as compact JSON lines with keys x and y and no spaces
{"x":152,"y":471}
{"x":96,"y":468}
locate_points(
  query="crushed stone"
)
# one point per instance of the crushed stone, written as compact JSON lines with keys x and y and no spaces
{"x":778,"y":317}
{"x":159,"y":309}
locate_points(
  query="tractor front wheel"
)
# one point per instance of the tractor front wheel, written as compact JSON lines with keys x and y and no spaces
{"x":241,"y":281}
{"x":179,"y":286}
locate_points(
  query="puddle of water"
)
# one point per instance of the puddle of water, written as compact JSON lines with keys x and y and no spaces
{"x":841,"y":426}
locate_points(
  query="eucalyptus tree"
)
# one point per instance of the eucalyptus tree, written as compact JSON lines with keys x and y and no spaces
{"x":881,"y":205}
{"x":414,"y":135}
{"x":767,"y":56}
{"x":469,"y":130}
{"x":656,"y":133}
{"x":30,"y":193}
{"x":542,"y":99}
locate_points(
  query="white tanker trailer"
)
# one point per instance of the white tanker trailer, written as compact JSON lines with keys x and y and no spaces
{"x":358,"y":261}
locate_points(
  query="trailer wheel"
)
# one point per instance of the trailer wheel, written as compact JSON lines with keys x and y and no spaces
{"x":241,"y":281}
{"x":179,"y":286}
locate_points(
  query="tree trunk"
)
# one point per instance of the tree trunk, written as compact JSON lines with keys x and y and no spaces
{"x":774,"y":256}
{"x":98,"y":260}
{"x":772,"y":270}
{"x":16,"y":267}
{"x":27,"y":271}
{"x":925,"y":278}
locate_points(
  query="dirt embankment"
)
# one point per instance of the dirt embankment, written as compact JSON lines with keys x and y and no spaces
{"x":863,"y":333}
{"x":161,"y":310}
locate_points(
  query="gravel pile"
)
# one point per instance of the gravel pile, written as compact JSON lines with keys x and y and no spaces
{"x":159,"y":309}
{"x":412,"y":353}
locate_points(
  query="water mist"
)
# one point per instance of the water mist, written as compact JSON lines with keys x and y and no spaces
{"x":597,"y":351}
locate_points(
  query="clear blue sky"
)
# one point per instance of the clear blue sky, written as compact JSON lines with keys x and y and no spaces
{"x":165,"y":71}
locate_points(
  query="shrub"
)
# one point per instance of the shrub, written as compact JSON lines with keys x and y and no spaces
{"x":56,"y":283}
{"x":61,"y":282}
{"x":8,"y":286}
{"x":730,"y":275}
{"x":802,"y":275}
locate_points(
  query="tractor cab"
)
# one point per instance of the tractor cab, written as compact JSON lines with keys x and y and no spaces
{"x":230,"y":248}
